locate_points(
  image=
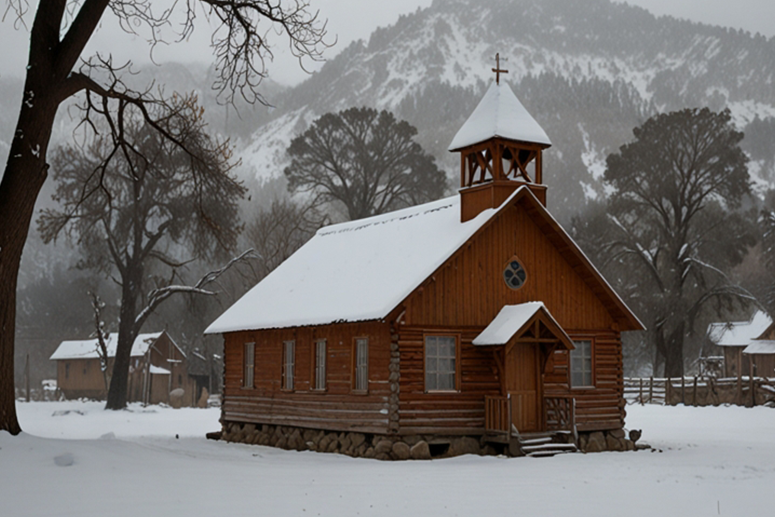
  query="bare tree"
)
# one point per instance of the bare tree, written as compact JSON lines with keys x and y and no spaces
{"x":131,"y":202}
{"x":277,"y":232}
{"x":364,"y":159}
{"x":58,"y":35}
{"x":672,"y":230}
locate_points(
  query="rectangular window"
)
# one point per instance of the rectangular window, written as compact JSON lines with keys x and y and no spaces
{"x":67,"y":370}
{"x":320,"y":364}
{"x":289,"y":364}
{"x":249,"y":365}
{"x":581,"y":364}
{"x":440,"y":363}
{"x":361,"y":364}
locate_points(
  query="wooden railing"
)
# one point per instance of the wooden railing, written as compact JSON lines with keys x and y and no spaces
{"x":560,"y":414}
{"x":497,"y":415}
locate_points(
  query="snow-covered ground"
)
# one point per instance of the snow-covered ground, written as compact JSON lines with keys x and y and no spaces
{"x":76,"y":459}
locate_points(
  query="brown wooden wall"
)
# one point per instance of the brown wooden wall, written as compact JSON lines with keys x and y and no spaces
{"x":467,"y":293}
{"x":469,"y":290}
{"x":445,"y":413}
{"x":83,"y":380}
{"x":337,"y":408}
{"x":601,"y":407}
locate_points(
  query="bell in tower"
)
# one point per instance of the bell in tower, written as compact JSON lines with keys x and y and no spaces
{"x":500,"y":148}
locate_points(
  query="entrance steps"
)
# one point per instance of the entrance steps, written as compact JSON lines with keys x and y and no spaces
{"x":546,"y":444}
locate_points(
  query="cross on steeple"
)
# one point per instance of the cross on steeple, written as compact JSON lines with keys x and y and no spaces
{"x":497,"y":68}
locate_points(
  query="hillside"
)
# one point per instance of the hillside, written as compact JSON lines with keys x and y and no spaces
{"x":589,"y":71}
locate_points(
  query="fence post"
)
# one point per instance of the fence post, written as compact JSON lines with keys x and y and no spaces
{"x":651,"y":389}
{"x":694,"y":393}
{"x":668,"y":390}
{"x":640,"y":396}
{"x":683,"y":390}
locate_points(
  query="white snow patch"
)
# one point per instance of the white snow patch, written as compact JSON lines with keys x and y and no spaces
{"x":708,"y":461}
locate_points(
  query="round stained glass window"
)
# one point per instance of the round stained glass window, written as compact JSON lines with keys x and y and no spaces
{"x":514,"y":274}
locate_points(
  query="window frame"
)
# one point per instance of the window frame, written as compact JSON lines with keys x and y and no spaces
{"x":457,"y":368}
{"x":288,"y":382}
{"x":592,"y":376}
{"x":354,"y":388}
{"x":248,"y":369}
{"x":319,"y":362}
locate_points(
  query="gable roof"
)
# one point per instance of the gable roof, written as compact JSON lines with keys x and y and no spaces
{"x":760,"y":346}
{"x":87,"y":348}
{"x":513,"y":318}
{"x":499,"y":114}
{"x":739,"y":333}
{"x":362,"y":270}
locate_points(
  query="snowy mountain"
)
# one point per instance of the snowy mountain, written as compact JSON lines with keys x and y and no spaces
{"x":587,"y":70}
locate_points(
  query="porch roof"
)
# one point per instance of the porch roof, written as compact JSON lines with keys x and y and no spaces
{"x":512,"y":320}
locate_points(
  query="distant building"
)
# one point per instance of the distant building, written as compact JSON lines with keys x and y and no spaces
{"x":748,"y":346}
{"x":157,"y":366}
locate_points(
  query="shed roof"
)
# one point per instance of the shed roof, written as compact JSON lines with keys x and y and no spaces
{"x":760,"y":346}
{"x":499,"y":114}
{"x":362,"y":270}
{"x":87,"y":348}
{"x":739,"y":333}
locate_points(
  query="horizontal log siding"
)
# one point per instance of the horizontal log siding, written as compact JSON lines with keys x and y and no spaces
{"x":445,"y":413}
{"x":466,"y":294}
{"x":336,"y":408}
{"x":602,"y":407}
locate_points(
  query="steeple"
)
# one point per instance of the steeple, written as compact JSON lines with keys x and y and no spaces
{"x":500,"y":148}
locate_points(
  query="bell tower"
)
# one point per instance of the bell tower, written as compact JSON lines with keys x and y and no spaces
{"x":500,"y":148}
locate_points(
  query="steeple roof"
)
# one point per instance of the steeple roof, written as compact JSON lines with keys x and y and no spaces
{"x":499,"y":114}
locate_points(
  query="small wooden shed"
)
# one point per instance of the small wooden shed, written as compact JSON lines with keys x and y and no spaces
{"x":748,"y":346}
{"x":157,"y":367}
{"x":474,"y":316}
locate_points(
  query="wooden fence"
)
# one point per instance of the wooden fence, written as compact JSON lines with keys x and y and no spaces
{"x":700,"y":391}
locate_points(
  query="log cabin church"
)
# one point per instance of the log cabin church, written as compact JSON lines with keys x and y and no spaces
{"x":468,"y":324}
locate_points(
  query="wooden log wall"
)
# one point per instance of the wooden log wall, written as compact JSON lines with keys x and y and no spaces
{"x":466,"y":294}
{"x":601,"y":407}
{"x":336,"y":408}
{"x":445,"y":413}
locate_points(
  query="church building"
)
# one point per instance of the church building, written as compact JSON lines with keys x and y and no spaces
{"x":468,"y":324}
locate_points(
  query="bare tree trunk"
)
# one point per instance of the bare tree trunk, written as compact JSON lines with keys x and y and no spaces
{"x":127,"y":332}
{"x":674,"y":356}
{"x":25,"y":173}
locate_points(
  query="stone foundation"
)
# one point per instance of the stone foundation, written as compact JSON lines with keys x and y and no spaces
{"x":357,"y":445}
{"x":601,"y":441}
{"x":384,"y":447}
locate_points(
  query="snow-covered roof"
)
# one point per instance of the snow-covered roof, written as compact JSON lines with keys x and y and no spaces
{"x":739,"y":333}
{"x":362,"y":270}
{"x":499,"y":114}
{"x":508,"y":322}
{"x":87,"y":349}
{"x":760,"y":346}
{"x":157,"y":370}
{"x":354,"y":271}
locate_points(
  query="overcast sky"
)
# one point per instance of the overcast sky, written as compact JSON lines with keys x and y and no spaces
{"x":349,"y":20}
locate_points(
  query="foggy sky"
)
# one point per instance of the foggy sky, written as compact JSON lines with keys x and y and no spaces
{"x":349,"y":20}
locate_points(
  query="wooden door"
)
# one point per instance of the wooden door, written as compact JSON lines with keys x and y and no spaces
{"x":523,"y":384}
